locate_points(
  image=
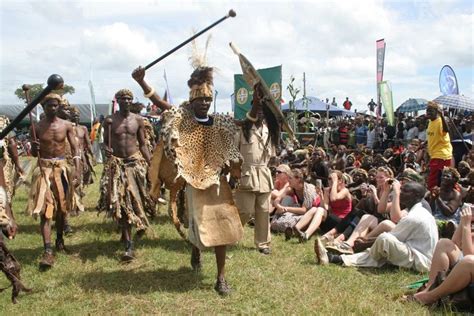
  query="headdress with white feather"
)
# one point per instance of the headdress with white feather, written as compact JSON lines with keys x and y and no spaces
{"x":201,"y":81}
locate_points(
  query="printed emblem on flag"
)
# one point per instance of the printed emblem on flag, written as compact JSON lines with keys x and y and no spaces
{"x":275,"y":90}
{"x":242,"y":96}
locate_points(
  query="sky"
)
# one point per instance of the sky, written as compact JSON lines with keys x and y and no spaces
{"x":332,"y":42}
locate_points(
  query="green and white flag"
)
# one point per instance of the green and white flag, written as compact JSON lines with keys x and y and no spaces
{"x":243,"y":93}
{"x":387,"y":100}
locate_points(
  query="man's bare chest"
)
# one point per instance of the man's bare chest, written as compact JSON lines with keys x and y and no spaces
{"x":125,"y":127}
{"x":79,"y":133}
{"x":53,"y":132}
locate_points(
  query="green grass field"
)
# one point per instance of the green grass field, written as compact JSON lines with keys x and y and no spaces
{"x":91,"y":279}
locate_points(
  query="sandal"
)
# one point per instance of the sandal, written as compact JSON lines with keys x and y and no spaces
{"x":343,"y":248}
{"x":289,"y":233}
{"x":409,"y":298}
{"x":327,"y":240}
{"x":301,"y":235}
{"x":222,"y":287}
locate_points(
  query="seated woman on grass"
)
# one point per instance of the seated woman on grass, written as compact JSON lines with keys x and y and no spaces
{"x":457,"y":255}
{"x":337,"y":203}
{"x":371,"y":226}
{"x":282,"y":182}
{"x":299,"y":197}
{"x":368,"y":213}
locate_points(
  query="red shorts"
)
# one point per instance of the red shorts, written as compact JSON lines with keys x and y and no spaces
{"x":436,"y":167}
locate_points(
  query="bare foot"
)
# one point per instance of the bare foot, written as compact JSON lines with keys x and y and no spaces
{"x":424,"y":298}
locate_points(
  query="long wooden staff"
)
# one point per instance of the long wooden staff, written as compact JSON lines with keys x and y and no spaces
{"x":26,"y":90}
{"x":457,"y":132}
{"x":111,"y":174}
{"x":54,"y":82}
{"x":231,"y":13}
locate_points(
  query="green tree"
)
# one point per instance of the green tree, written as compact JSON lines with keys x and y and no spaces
{"x":36,"y":88}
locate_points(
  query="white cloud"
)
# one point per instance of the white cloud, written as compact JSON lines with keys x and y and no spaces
{"x":332,"y":41}
{"x":116,"y":46}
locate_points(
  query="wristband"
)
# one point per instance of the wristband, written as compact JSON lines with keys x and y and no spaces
{"x":76,"y":157}
{"x":250,"y":118}
{"x":149,"y":94}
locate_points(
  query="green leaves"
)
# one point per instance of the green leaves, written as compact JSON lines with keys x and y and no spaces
{"x":36,"y":88}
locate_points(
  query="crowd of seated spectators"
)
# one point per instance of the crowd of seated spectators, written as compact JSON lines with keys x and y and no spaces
{"x":360,"y":192}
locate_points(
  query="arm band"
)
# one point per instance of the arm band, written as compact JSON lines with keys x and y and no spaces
{"x":149,"y":94}
{"x":250,"y":118}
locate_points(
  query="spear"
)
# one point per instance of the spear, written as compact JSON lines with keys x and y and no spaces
{"x":231,"y":14}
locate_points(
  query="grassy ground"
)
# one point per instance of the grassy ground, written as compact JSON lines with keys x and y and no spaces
{"x":91,"y":279}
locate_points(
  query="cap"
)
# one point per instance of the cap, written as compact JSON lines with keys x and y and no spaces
{"x":412,"y":175}
{"x":284,"y":169}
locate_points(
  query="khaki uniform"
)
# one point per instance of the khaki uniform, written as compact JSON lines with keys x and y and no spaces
{"x":253,"y":194}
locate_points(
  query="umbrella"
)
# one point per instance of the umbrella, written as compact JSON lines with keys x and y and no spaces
{"x":412,"y":105}
{"x":456,"y":101}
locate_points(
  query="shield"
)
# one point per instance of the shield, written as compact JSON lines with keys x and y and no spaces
{"x":252,"y":77}
{"x":456,"y":101}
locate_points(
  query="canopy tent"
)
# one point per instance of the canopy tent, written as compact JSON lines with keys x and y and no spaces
{"x":316,"y":105}
{"x":456,"y":101}
{"x":11,"y":111}
{"x":367,"y":112}
{"x":412,"y":105}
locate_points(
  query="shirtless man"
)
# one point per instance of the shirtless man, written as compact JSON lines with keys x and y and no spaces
{"x":149,"y":129}
{"x":318,"y":167}
{"x":51,"y":190}
{"x":8,"y":264}
{"x":446,"y":201}
{"x":9,"y":160}
{"x":85,"y":147}
{"x":124,"y":181}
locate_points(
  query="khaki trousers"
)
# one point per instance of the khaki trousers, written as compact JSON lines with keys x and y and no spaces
{"x":387,"y":248}
{"x":256,"y":204}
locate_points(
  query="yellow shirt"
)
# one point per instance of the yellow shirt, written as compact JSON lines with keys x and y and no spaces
{"x":439,"y":143}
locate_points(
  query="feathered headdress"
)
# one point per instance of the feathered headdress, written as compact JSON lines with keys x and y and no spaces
{"x":201,"y":81}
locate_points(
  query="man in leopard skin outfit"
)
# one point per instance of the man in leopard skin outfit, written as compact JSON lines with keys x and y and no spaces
{"x":196,"y":148}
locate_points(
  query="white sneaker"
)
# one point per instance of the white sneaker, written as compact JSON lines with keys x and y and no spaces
{"x":321,"y":252}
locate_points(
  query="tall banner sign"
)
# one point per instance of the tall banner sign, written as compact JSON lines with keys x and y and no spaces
{"x":448,"y":84}
{"x":387,"y":101}
{"x":92,"y":103}
{"x":380,"y":44}
{"x":168,"y":94}
{"x":243,"y":93}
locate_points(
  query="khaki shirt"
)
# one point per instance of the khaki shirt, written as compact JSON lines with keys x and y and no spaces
{"x":256,"y":153}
